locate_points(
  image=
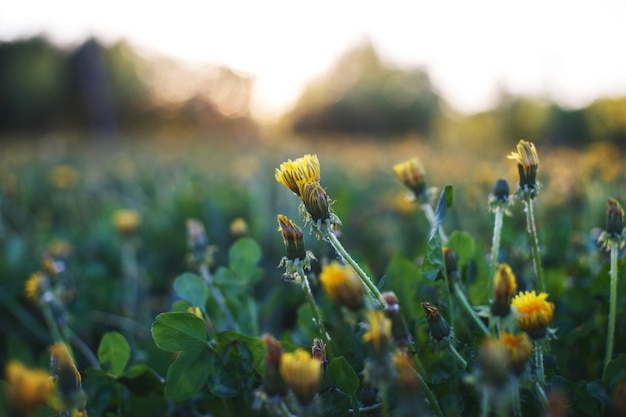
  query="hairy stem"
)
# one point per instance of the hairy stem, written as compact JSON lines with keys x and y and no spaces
{"x":534,"y":242}
{"x":612,"y":303}
{"x":317,"y":318}
{"x":457,"y":356}
{"x":468,"y":309}
{"x":218,"y":296}
{"x":495,"y":247}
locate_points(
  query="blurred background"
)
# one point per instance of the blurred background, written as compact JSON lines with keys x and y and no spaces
{"x":183,"y":110}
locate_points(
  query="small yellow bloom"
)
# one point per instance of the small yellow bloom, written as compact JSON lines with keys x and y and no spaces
{"x":527,"y":165}
{"x":504,"y":286}
{"x":412,"y":174}
{"x":127,"y":221}
{"x":342,"y":285}
{"x":32,"y":288}
{"x":238,"y":227}
{"x":63,"y":177}
{"x":68,"y":379}
{"x":405,"y":374}
{"x":301,"y":373}
{"x":195,"y":311}
{"x":306,"y":168}
{"x":534,"y":313}
{"x":379,"y":329}
{"x":27,"y":388}
{"x":519,"y":347}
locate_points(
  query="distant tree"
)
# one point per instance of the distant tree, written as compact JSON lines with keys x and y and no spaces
{"x":363,"y":94}
{"x":606,"y":119}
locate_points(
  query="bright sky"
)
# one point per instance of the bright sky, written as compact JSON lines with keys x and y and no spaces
{"x":572,"y":51}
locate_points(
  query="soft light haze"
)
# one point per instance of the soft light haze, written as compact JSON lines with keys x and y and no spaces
{"x":570,"y":51}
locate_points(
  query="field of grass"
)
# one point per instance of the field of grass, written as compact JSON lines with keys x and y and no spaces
{"x":103,"y":239}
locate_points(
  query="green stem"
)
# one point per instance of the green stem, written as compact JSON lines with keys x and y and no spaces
{"x":468,"y":309}
{"x":484,"y":404}
{"x":495,"y":246}
{"x":432,"y":219}
{"x":284,"y":410}
{"x":534,"y":242}
{"x":539,"y":360}
{"x":382,"y":386}
{"x":372,"y":289}
{"x":517,"y":406}
{"x":317,"y":318}
{"x":542,"y":395}
{"x":612,"y":303}
{"x":457,"y":356}
{"x":53,"y":326}
{"x":428,"y":392}
{"x":448,"y":297}
{"x":218,"y":296}
{"x":132,"y":278}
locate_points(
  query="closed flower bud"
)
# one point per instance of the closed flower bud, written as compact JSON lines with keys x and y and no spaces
{"x":318,"y":351}
{"x":439,"y":329}
{"x":273,"y":383}
{"x":614,"y":218}
{"x":451,"y":259}
{"x":302,"y":374}
{"x":315,"y":200}
{"x":501,"y":190}
{"x":519,"y":348}
{"x":412,"y":174}
{"x":293,"y":238}
{"x":527,"y":166}
{"x":504,"y":286}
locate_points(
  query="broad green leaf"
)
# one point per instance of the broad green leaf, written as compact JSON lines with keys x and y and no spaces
{"x":113,"y":353}
{"x":174,"y":332}
{"x":243,"y":258}
{"x":614,"y":372}
{"x":343,"y":376}
{"x":433,"y":258}
{"x":142,"y":380}
{"x":402,"y":277}
{"x":254,"y":344}
{"x":332,"y":401}
{"x":597,"y":391}
{"x":235,"y":373}
{"x":463,"y":245}
{"x":188,"y":374}
{"x":192,"y":288}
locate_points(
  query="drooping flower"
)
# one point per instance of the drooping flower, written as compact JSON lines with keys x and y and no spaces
{"x":412,"y":174}
{"x":301,"y":373}
{"x":273,"y":383}
{"x":519,"y":347}
{"x":378,"y":332}
{"x":342,"y":285}
{"x":534,"y":313}
{"x":527,"y":166}
{"x":27,"y":388}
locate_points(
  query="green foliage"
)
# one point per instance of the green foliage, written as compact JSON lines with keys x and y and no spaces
{"x":113,"y":353}
{"x":192,"y":288}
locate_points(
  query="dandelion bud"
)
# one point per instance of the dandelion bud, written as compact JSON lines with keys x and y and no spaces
{"x":519,"y":348}
{"x":534,"y":313}
{"x":504,"y":286}
{"x":127,"y":221}
{"x":342,"y":285}
{"x":494,"y":361}
{"x":412,"y":174}
{"x":273,"y":383}
{"x":378,"y":330}
{"x":451,"y":259}
{"x":315,"y":200}
{"x":399,"y":329}
{"x":318,"y":351}
{"x":527,"y":165}
{"x":293,"y":237}
{"x":501,"y":190}
{"x":439,"y":329}
{"x":68,"y":379}
{"x":301,"y":373}
{"x":614,"y":217}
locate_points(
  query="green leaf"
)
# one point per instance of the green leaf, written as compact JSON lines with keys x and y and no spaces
{"x":192,"y":288}
{"x":243,"y":257}
{"x":342,"y":375}
{"x":254,"y":344}
{"x":174,"y":332}
{"x":443,"y":204}
{"x":614,"y":372}
{"x":463,"y":245}
{"x":142,"y":380}
{"x":433,"y":258}
{"x":113,"y":353}
{"x":235,"y":372}
{"x":401,"y":276}
{"x":188,"y":374}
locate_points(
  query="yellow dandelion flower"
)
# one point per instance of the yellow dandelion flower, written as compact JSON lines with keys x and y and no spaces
{"x":27,"y":388}
{"x":306,"y":168}
{"x":238,"y":227}
{"x":32,"y":288}
{"x":412,"y":174}
{"x":301,"y":373}
{"x":63,"y":177}
{"x":127,"y":221}
{"x":527,"y":165}
{"x":342,"y":285}
{"x":519,"y":347}
{"x":534,"y":313}
{"x":379,"y":329}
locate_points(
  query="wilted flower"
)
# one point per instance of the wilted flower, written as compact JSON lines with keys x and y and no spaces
{"x":412,"y":174}
{"x":342,"y":285}
{"x":318,"y":350}
{"x":439,"y":329}
{"x":378,"y":332}
{"x":273,"y":383}
{"x":504,"y":286}
{"x":527,"y":165}
{"x":301,"y":373}
{"x":27,"y":388}
{"x":519,"y":347}
{"x":127,"y":221}
{"x":534,"y":313}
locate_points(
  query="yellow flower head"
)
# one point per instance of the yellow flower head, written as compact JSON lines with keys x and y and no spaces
{"x":379,"y":329}
{"x":494,"y":361}
{"x":127,"y":221}
{"x":342,"y":285}
{"x":527,"y":165}
{"x":412,"y":174}
{"x":63,"y":177}
{"x":238,"y":227}
{"x":406,"y":376}
{"x":27,"y":388}
{"x":301,"y":373}
{"x":32,"y":288}
{"x":534,"y":313}
{"x":305,"y":168}
{"x":504,"y":286}
{"x":69,"y":382}
{"x":195,"y":311}
{"x":519,"y":347}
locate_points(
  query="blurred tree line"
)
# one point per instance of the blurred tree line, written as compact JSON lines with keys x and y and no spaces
{"x":109,"y":89}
